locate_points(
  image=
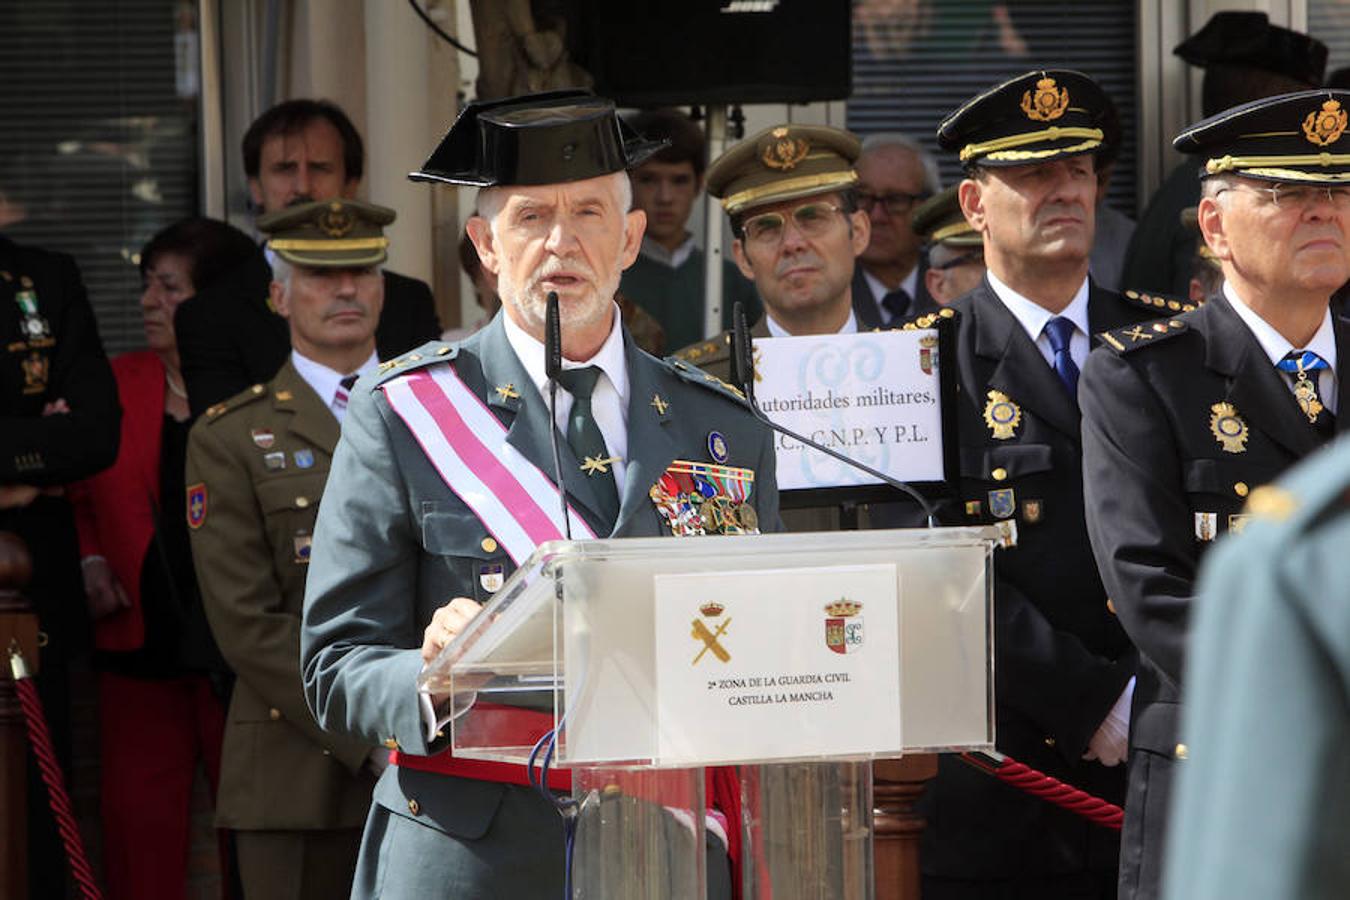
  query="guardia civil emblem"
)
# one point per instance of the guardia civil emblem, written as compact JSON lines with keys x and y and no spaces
{"x":1048,"y":103}
{"x":783,"y":152}
{"x":709,"y":633}
{"x":1001,"y":415}
{"x":491,"y":577}
{"x":1228,"y":427}
{"x":1326,"y":125}
{"x":843,"y":626}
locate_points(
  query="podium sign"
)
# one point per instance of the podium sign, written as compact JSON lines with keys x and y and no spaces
{"x":760,"y":664}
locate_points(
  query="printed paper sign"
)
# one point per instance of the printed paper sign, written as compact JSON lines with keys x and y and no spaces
{"x":778,"y":664}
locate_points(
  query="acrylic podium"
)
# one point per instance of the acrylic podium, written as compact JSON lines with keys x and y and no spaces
{"x":796,"y":658}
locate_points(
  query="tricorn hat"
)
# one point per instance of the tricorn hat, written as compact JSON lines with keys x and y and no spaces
{"x":546,"y":138}
{"x":1235,"y":37}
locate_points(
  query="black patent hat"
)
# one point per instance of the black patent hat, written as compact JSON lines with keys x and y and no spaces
{"x":1235,"y":37}
{"x":546,"y":138}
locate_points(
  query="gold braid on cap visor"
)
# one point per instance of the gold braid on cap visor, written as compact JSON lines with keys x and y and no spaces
{"x":333,"y":244}
{"x":1273,"y":166}
{"x":741,"y":199}
{"x":950,"y":231}
{"x":996,"y":147}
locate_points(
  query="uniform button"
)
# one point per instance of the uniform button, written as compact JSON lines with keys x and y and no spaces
{"x":1049,"y":742}
{"x":1240,"y":489}
{"x":327,"y":752}
{"x":441,"y":351}
{"x":257,"y":389}
{"x":489,"y":545}
{"x":391,"y":743}
{"x":1183,"y":752}
{"x":274,"y":714}
{"x":1000,"y":474}
{"x":301,"y":502}
{"x":440,"y":733}
{"x":1110,"y":607}
{"x":414,"y":807}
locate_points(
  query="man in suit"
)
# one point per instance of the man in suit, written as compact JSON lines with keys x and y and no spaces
{"x":1063,"y":664}
{"x":229,"y":336}
{"x":403,"y":532}
{"x":1182,"y":419}
{"x":257,"y":469}
{"x":59,"y":422}
{"x":1262,"y":796}
{"x":895,"y":175}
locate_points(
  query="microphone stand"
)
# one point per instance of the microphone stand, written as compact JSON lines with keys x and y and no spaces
{"x":553,"y":368}
{"x":743,"y":371}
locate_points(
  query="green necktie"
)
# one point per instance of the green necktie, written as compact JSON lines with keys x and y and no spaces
{"x":586,"y":441}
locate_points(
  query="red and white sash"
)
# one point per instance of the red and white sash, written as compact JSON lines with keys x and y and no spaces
{"x":466,"y":443}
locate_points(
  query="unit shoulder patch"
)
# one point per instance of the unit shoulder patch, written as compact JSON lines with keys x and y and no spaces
{"x":1158,"y":304}
{"x":219,"y":410}
{"x":944,"y":316}
{"x":694,"y":375}
{"x":1142,"y":334}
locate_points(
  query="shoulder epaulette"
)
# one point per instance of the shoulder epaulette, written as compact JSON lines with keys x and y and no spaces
{"x":694,"y":375}
{"x":1158,"y":304}
{"x":428,"y":354}
{"x":714,"y":349}
{"x":1142,"y":334}
{"x":946,"y":315}
{"x":217,"y":412}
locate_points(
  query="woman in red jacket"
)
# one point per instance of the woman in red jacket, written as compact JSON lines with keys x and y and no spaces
{"x":161,"y":679}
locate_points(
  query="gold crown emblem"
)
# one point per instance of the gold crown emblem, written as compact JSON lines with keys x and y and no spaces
{"x":784,"y":152}
{"x":712,"y":609}
{"x":1326,"y":125}
{"x":928,"y":342}
{"x":337,"y":220}
{"x":1049,"y":102}
{"x":843,"y":608}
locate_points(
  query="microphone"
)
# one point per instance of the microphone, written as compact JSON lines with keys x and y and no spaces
{"x":743,"y":371}
{"x":553,"y":368}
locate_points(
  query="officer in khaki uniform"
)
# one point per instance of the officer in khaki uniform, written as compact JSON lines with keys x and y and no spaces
{"x":955,"y":248}
{"x":257,"y":464}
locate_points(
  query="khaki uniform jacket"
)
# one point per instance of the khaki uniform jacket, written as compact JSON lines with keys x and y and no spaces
{"x":258,"y":463}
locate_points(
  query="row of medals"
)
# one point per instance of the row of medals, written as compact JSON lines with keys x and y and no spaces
{"x":702,"y":498}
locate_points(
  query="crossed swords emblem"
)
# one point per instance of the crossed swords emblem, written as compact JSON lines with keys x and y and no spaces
{"x":709,"y":638}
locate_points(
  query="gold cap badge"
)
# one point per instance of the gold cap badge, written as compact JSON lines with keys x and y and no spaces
{"x":1049,"y":102}
{"x":1326,"y":125}
{"x":784,"y":152}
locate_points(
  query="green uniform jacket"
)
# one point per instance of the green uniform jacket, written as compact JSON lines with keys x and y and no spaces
{"x":394,"y":544}
{"x":1263,"y":792}
{"x":250,"y":544}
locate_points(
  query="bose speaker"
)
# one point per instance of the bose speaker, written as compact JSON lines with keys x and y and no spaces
{"x":681,"y":52}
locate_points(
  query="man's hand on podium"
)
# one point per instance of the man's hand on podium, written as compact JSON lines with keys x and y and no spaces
{"x":447,"y":622}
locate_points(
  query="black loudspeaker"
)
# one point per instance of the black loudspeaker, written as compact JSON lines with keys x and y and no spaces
{"x":680,"y":52}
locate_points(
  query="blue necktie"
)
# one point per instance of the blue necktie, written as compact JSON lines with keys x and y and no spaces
{"x":1299,"y":363}
{"x":1060,"y":330}
{"x":896,"y":304}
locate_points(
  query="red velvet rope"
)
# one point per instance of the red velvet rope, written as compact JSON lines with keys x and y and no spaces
{"x":41,"y":740}
{"x":1038,"y":784}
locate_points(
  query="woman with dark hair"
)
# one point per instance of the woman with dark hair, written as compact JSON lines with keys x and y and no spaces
{"x":161,"y":679}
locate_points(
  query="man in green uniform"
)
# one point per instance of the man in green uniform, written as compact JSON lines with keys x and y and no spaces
{"x":955,"y":248}
{"x":257,"y":467}
{"x":1262,"y":794}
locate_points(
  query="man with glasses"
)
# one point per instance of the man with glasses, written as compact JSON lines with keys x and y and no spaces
{"x":1064,"y":664}
{"x":895,"y":174}
{"x":1185,"y":419}
{"x":955,"y":249}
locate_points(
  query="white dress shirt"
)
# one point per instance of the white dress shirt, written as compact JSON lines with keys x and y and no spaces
{"x":1032,"y":317}
{"x":325,"y":381}
{"x":609,"y":402}
{"x":1277,"y":347}
{"x":776,"y":330}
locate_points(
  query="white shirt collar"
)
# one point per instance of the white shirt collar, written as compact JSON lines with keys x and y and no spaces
{"x":776,"y":330}
{"x":1275,"y":345}
{"x":610,"y":357}
{"x":324,"y":380}
{"x":910,"y":284}
{"x":672,"y":258}
{"x":1032,"y":316}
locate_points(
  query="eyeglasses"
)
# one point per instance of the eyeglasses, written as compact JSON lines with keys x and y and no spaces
{"x":898,"y":204}
{"x":1300,"y":196}
{"x":811,"y":219}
